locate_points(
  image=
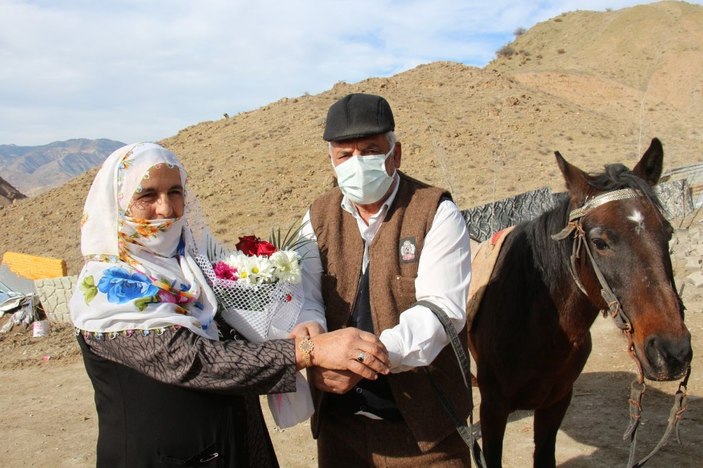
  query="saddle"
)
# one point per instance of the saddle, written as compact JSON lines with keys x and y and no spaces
{"x":483,"y":259}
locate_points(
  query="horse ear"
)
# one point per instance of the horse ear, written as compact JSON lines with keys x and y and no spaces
{"x":576,"y":180}
{"x":650,"y":166}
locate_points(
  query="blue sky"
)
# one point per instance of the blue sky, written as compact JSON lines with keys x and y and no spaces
{"x":141,"y":70}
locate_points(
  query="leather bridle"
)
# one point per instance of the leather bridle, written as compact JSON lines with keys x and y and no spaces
{"x":575,"y":226}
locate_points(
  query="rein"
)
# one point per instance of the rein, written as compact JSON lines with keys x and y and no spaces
{"x":637,"y":388}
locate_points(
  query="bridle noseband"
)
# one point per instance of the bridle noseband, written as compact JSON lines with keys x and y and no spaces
{"x":615,"y":310}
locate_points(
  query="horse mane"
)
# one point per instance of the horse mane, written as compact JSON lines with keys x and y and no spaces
{"x":550,"y":257}
{"x":618,"y":176}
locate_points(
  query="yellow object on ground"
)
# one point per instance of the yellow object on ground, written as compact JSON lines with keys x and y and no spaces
{"x":34,"y":267}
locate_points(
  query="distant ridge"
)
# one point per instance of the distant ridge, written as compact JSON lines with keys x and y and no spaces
{"x":35,"y":169}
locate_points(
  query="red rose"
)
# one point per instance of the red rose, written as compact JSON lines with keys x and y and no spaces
{"x":252,"y":245}
{"x":265,"y":248}
{"x":247,"y":245}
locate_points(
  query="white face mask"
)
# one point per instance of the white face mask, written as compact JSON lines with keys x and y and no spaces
{"x":363,"y":179}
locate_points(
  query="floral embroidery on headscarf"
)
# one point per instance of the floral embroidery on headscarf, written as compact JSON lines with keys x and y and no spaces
{"x":120,"y":286}
{"x":145,"y":229}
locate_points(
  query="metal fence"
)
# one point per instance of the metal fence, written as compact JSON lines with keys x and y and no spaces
{"x":484,"y":220}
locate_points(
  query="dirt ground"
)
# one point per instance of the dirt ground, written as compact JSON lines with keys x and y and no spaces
{"x":47,"y":416}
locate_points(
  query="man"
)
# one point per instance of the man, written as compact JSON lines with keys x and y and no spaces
{"x":382,"y":241}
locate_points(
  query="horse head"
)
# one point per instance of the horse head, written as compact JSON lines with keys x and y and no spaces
{"x":620,"y":259}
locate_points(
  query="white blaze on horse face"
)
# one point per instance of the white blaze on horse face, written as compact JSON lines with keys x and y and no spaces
{"x":638,"y":218}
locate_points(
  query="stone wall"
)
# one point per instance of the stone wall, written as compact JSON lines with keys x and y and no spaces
{"x":54,"y":294}
{"x":686,"y":249}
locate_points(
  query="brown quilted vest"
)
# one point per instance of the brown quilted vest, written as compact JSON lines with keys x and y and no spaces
{"x":392,"y":290}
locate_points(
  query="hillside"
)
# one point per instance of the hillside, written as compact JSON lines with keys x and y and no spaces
{"x":597,"y":86}
{"x":649,"y":59}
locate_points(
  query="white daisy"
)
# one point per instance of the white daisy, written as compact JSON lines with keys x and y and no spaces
{"x":261,"y":270}
{"x":287,"y":266}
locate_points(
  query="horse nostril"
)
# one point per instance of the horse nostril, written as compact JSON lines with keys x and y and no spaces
{"x":668,"y":353}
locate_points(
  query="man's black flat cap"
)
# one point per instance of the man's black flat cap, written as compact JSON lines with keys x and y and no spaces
{"x":358,"y":115}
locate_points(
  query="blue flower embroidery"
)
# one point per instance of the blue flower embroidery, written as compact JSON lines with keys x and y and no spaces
{"x":121,"y":286}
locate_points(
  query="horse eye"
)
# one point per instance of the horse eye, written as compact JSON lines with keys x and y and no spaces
{"x":600,"y":244}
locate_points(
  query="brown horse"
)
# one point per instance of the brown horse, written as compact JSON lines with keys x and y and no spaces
{"x":530,"y":337}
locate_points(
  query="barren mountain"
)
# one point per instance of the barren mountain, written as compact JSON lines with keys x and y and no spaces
{"x":597,"y":86}
{"x":34,"y":169}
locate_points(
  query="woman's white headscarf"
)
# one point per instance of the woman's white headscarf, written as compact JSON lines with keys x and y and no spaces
{"x":138,"y":275}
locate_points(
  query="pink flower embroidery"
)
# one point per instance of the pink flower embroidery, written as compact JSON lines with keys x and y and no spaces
{"x":165,"y":296}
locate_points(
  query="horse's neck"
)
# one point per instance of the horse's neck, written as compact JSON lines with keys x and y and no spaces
{"x":550,"y":262}
{"x":576,"y":313}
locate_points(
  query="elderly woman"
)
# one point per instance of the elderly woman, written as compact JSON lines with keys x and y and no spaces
{"x":168,"y":391}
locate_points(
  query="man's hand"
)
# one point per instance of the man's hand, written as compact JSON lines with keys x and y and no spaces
{"x":304,"y":329}
{"x":333,"y":381}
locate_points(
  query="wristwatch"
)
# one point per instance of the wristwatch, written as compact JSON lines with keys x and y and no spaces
{"x":307,"y":346}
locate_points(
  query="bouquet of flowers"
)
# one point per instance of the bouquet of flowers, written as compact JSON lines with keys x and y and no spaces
{"x":259,"y":289}
{"x":258,"y":286}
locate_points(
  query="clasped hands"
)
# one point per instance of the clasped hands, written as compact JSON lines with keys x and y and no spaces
{"x":336,"y":366}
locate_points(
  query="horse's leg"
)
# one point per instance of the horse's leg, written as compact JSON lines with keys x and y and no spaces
{"x":546,"y":425}
{"x":494,"y":418}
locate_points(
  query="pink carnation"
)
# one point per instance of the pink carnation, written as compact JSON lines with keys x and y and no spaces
{"x":225,"y":271}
